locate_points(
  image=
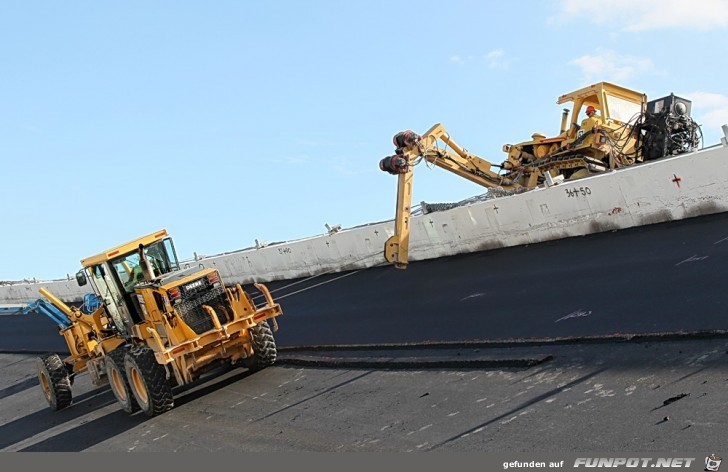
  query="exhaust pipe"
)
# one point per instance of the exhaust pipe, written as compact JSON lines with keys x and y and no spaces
{"x":564,"y":120}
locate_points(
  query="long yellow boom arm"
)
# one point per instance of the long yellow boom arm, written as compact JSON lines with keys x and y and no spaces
{"x":411,"y":149}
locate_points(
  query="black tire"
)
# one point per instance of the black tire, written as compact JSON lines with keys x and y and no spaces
{"x":264,"y":347}
{"x":148,"y":381}
{"x":54,"y":381}
{"x":119,"y":382}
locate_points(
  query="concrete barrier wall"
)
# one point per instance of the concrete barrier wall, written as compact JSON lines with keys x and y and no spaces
{"x":669,"y":189}
{"x":66,"y":290}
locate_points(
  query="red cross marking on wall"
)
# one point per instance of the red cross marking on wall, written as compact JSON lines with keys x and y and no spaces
{"x":677,"y":180}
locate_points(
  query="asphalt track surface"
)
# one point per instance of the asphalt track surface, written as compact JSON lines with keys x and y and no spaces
{"x":661,"y":398}
{"x":665,"y":278}
{"x":608,"y":342}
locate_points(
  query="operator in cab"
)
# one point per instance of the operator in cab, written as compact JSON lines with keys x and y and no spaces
{"x":591,"y":121}
{"x":136,"y":274}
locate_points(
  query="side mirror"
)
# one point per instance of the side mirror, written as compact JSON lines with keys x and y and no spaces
{"x":81,"y":278}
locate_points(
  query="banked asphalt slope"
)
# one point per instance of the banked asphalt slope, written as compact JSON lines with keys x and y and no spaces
{"x":652,"y":280}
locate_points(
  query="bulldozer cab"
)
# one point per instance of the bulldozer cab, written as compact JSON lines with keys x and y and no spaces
{"x":615,"y":107}
{"x":115,"y":273}
{"x":584,"y":145}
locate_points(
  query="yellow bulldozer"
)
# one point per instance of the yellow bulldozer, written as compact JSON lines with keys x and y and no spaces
{"x":150,"y":326}
{"x":622,"y":129}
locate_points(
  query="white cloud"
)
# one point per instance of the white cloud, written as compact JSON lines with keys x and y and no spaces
{"x":607,"y":65}
{"x":714,"y":118}
{"x":708,"y":100}
{"x":457,"y":59}
{"x":646,"y":15}
{"x":709,"y":109}
{"x":496,"y":59}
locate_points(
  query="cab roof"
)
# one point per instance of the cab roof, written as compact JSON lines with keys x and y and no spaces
{"x":595,"y":90}
{"x":124,"y":248}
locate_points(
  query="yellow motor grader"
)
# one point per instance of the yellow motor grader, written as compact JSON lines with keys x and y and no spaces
{"x":625,"y":129}
{"x":150,"y":326}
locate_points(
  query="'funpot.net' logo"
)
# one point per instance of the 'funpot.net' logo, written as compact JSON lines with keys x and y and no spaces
{"x":712,"y":463}
{"x":617,"y":462}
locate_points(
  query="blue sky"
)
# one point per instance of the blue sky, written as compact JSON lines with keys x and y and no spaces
{"x":230,"y":121}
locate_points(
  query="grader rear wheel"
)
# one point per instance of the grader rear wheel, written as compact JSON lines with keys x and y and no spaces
{"x":148,"y":381}
{"x":54,"y":381}
{"x":118,"y":380}
{"x":264,"y":347}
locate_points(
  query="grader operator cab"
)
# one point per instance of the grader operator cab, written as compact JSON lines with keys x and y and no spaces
{"x":624,"y":130}
{"x":150,"y":326}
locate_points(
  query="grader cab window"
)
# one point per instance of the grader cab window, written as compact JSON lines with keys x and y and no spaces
{"x":128,"y":268}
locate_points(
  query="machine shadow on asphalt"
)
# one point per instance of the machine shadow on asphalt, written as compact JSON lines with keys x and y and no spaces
{"x":96,"y":430}
{"x":210,"y":383}
{"x":31,"y":382}
{"x":40,"y":421}
{"x":89,"y":434}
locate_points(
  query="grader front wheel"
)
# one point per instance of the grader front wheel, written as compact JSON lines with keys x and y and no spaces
{"x":54,"y":381}
{"x":118,"y":380}
{"x":148,"y":381}
{"x":264,"y":347}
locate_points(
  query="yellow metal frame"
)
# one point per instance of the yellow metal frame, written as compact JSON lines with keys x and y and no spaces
{"x":85,"y":338}
{"x":396,"y":248}
{"x":124,"y":248}
{"x":177,"y":344}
